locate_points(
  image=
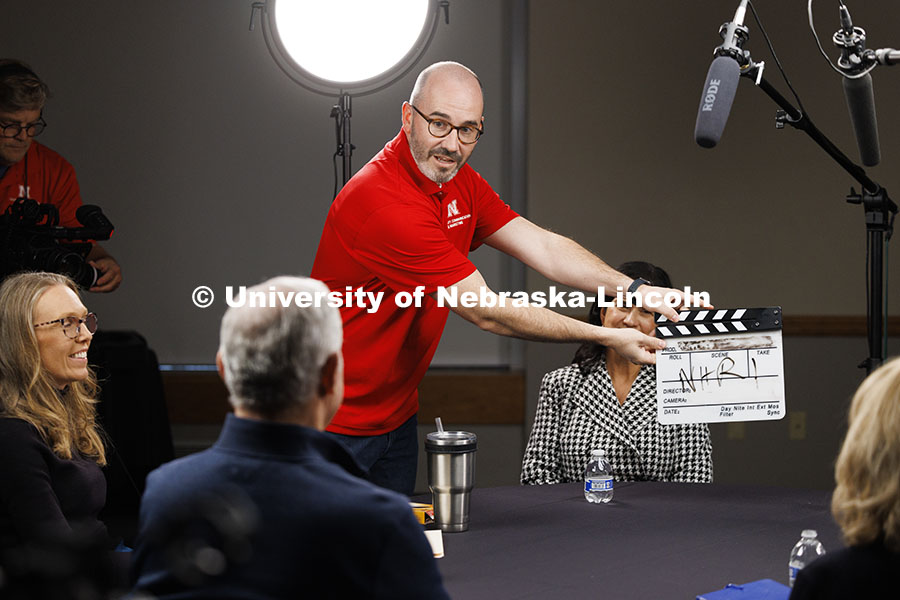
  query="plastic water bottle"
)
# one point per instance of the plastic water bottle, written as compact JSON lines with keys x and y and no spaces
{"x":598,"y":480}
{"x":808,"y":549}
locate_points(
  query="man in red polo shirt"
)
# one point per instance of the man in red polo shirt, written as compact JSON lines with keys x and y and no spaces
{"x":31,"y":170}
{"x":404,"y":224}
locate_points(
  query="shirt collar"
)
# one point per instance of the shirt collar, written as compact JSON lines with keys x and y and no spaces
{"x":284,"y":440}
{"x":400,"y":146}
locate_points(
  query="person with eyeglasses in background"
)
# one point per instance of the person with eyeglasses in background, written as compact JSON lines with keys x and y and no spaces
{"x":406,"y":222}
{"x":52,"y":488}
{"x":31,"y":170}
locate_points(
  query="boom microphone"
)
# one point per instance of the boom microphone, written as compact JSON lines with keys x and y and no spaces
{"x":721,"y":82}
{"x":715,"y":104}
{"x":858,"y":90}
{"x":861,"y":104}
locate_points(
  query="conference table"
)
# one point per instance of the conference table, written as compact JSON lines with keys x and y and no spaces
{"x":654,"y":540}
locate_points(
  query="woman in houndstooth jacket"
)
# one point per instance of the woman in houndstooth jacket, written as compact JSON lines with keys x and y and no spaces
{"x":603,"y":400}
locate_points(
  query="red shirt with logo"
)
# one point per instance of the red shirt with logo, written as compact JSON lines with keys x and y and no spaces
{"x":390,"y":230}
{"x":49,"y":179}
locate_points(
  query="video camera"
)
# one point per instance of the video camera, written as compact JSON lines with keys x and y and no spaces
{"x":32,"y":240}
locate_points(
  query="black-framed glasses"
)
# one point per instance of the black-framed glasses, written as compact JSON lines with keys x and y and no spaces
{"x":31,"y":129}
{"x":71,"y":326}
{"x":439,"y":128}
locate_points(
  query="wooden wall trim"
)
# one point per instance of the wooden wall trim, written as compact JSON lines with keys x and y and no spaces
{"x":195,"y":397}
{"x":833,"y":325}
{"x":471,"y":397}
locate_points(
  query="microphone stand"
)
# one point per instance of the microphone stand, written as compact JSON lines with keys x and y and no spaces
{"x":879,"y":212}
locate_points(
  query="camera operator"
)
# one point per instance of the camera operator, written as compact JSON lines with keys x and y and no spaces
{"x":31,"y":170}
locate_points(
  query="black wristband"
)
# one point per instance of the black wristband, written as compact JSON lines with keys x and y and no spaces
{"x":636,"y":284}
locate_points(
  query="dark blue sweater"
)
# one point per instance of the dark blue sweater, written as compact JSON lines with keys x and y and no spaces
{"x":285,"y":514}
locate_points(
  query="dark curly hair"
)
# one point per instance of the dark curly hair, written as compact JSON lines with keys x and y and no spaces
{"x":589,"y":353}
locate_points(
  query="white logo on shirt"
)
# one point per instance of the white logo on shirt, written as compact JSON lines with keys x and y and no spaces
{"x":23,"y":193}
{"x":454,"y":219}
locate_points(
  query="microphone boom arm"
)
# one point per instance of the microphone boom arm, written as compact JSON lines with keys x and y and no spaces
{"x":799,"y":120}
{"x":883,"y":56}
{"x":879,"y":213}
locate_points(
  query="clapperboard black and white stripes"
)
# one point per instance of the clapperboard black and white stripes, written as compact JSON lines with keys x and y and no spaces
{"x":721,"y":365}
{"x":712,"y":322}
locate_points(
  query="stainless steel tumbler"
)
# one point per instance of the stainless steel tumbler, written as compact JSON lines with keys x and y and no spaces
{"x":451,"y":476}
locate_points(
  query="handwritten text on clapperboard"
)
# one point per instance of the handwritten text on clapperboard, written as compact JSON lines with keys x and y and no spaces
{"x":719,"y":368}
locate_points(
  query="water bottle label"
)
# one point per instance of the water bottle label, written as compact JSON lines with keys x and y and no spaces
{"x":792,"y":574}
{"x":598,"y":485}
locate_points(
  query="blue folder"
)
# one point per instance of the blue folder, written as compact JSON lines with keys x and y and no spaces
{"x":764,"y":589}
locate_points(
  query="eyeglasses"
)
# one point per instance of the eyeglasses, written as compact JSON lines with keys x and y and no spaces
{"x":71,"y":326}
{"x":31,"y":130}
{"x":440,"y":128}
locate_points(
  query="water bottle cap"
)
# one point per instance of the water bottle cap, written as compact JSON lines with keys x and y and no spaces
{"x":598,"y":452}
{"x":809,"y":533}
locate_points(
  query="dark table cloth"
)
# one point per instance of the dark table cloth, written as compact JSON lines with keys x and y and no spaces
{"x":654,"y":540}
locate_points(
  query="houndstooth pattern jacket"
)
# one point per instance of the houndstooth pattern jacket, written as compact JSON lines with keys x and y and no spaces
{"x":579,"y":412}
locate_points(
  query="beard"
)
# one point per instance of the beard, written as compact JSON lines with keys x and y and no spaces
{"x":12,"y":151}
{"x":422,"y":154}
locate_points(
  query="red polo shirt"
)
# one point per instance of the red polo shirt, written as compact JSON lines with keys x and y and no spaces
{"x":390,"y":230}
{"x":50,"y":179}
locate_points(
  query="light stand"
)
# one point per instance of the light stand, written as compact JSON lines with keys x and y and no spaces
{"x":339,"y":82}
{"x":341,"y":112}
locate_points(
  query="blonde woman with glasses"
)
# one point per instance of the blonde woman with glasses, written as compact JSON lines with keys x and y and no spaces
{"x":51,"y":452}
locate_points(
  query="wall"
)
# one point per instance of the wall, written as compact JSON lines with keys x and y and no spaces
{"x":214,"y":166}
{"x":216,"y":169}
{"x":759,"y":220}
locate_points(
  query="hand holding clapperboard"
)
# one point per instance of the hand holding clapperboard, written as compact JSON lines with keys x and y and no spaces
{"x":720,"y":366}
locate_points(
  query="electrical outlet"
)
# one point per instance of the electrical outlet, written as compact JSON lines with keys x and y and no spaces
{"x":735,"y":431}
{"x":797,"y":425}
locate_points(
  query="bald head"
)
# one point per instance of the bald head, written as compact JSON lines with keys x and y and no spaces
{"x":450,"y":95}
{"x":442,"y":75}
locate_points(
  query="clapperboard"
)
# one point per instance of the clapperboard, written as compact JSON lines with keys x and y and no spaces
{"x":720,"y":365}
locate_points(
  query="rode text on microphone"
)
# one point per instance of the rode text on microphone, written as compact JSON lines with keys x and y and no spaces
{"x":879,"y":208}
{"x":721,"y":82}
{"x":720,"y":365}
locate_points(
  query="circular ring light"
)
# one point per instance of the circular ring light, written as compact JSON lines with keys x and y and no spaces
{"x":352,"y":46}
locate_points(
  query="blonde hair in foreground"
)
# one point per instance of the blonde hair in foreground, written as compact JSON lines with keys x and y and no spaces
{"x":866,"y":501}
{"x":66,"y":420}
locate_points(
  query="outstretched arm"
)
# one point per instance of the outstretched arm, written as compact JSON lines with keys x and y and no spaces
{"x":563,"y":260}
{"x":539,"y":324}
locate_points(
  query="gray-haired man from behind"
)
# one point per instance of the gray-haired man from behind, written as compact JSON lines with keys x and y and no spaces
{"x":276,"y":509}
